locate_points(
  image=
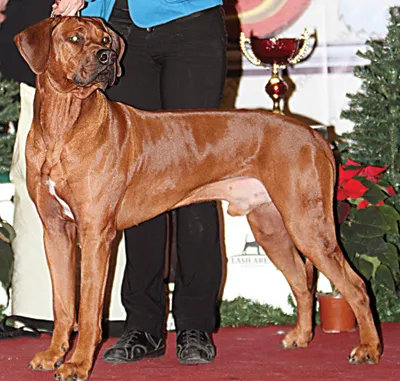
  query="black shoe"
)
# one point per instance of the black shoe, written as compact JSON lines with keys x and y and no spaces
{"x":194,"y":347}
{"x":134,"y":345}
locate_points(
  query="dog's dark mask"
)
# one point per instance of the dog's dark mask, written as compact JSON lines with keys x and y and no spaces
{"x":78,"y":54}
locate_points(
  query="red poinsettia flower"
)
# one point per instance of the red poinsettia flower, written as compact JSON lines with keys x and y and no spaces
{"x":363,"y":204}
{"x":391,"y":190}
{"x":346,"y":174}
{"x":370,"y":172}
{"x":351,"y":188}
{"x":348,"y":187}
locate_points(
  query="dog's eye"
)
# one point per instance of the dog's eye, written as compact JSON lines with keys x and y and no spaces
{"x":106,"y":40}
{"x":75,"y":39}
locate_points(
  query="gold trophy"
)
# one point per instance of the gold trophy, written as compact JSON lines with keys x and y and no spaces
{"x":277,"y":54}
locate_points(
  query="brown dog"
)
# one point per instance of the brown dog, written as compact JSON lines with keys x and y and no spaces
{"x":95,"y":166}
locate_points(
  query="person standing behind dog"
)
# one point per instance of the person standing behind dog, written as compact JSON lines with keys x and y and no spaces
{"x":175,"y":59}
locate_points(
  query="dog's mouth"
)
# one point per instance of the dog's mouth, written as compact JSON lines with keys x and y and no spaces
{"x":104,"y":75}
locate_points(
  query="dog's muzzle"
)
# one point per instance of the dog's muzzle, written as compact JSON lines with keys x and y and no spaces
{"x":104,"y":70}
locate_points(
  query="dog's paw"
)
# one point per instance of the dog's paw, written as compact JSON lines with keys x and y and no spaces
{"x":71,"y":371}
{"x":294,"y":339}
{"x":47,"y":360}
{"x":365,"y":354}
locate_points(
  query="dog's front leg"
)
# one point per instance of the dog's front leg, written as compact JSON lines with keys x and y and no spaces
{"x":59,"y":241}
{"x":96,"y":246}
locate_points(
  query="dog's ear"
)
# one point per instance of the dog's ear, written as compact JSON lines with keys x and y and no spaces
{"x":118,"y":45}
{"x":34,"y":44}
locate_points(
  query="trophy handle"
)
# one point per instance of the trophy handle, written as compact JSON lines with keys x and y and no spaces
{"x":245,"y":42}
{"x":302,"y":52}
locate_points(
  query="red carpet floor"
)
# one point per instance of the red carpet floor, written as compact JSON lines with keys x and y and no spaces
{"x":244,"y":354}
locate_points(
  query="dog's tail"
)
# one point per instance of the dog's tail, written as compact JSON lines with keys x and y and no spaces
{"x":327,"y":149}
{"x":311,"y":272}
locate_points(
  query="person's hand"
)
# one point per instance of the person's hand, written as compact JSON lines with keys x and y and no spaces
{"x":3,"y":4}
{"x":67,"y":7}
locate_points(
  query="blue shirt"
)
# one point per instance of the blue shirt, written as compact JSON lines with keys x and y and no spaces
{"x":149,"y":13}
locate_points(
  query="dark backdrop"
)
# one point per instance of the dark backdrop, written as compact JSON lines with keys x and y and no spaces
{"x":20,"y":14}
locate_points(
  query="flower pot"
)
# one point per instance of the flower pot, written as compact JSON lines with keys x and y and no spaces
{"x":335,"y":314}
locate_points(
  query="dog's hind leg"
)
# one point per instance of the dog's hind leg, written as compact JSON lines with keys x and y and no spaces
{"x":270,"y":232}
{"x":314,"y":235}
{"x":326,"y":255}
{"x":59,"y":241}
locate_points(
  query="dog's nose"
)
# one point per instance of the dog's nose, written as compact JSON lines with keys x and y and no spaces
{"x":106,"y":56}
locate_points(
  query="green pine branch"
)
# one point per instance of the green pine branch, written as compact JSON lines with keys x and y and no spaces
{"x":9,"y":112}
{"x":9,"y":104}
{"x":6,"y":151}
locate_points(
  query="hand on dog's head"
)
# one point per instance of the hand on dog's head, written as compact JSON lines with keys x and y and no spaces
{"x":77,"y":54}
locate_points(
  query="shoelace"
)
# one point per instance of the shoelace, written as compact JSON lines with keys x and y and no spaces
{"x":191,"y":336}
{"x":129,"y":336}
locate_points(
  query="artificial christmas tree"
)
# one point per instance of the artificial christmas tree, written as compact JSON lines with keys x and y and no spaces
{"x":9,"y":112}
{"x":375,"y":109}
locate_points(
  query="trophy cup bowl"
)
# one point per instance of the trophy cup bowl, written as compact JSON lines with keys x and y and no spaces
{"x":277,"y":54}
{"x":272,"y":51}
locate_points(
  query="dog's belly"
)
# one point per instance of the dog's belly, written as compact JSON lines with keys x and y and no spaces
{"x":65,"y":207}
{"x":243,"y":194}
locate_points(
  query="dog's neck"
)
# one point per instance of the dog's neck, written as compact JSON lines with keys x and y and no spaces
{"x":55,"y":115}
{"x":54,"y":111}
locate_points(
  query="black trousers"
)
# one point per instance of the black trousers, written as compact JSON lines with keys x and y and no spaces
{"x":179,"y":65}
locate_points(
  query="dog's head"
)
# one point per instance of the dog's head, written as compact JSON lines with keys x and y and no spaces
{"x":78,"y":54}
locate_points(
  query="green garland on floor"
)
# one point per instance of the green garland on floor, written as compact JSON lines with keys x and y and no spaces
{"x":242,"y":311}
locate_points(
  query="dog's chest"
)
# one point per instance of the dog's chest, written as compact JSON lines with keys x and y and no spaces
{"x":65,"y":207}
